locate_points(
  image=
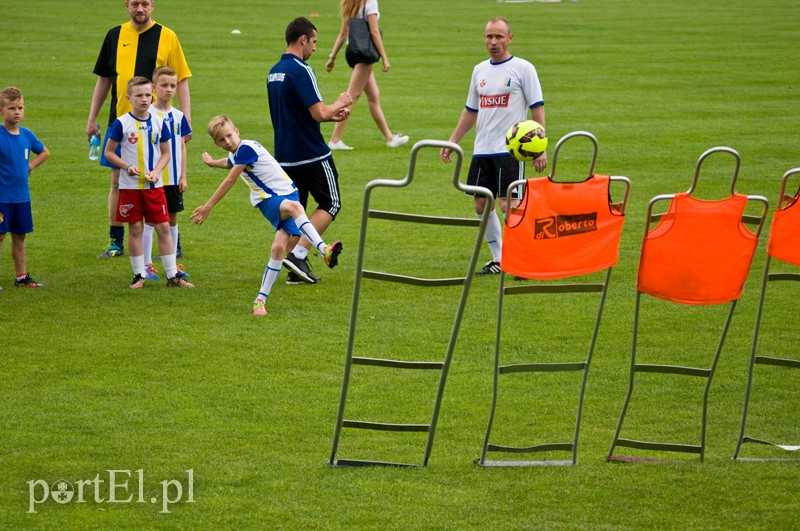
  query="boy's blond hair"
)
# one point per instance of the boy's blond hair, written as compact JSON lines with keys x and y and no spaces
{"x":137,"y":81}
{"x":217,"y":123}
{"x":163,"y":71}
{"x":10,"y":94}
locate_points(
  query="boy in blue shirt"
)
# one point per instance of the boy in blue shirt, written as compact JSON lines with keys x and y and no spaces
{"x":271,"y":191}
{"x":16,"y":145}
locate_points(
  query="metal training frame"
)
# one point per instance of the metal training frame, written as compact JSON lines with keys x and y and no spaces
{"x":701,"y":372}
{"x":442,"y":366}
{"x":542,"y":367}
{"x":767,"y":360}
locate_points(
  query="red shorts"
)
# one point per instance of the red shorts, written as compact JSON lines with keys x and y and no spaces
{"x":149,"y":204}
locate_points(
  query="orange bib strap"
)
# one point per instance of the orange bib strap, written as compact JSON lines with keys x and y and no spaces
{"x":784,"y":236}
{"x":699,"y":253}
{"x":562,"y":230}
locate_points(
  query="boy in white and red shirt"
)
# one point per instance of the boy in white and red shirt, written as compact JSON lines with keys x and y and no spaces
{"x":138,"y":144}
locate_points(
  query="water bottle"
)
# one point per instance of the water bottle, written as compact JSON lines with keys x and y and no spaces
{"x":94,"y":147}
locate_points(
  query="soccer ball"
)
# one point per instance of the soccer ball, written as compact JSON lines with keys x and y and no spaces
{"x":526,"y":140}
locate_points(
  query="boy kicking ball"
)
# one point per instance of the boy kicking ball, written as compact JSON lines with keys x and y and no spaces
{"x":271,"y":191}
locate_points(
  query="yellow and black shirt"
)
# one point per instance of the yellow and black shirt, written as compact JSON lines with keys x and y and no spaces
{"x":127,"y":52}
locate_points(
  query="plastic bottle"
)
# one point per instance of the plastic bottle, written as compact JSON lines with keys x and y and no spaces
{"x":94,"y":146}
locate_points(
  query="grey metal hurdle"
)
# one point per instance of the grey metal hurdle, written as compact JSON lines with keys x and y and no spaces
{"x":361,"y":274}
{"x":784,"y":240}
{"x":575,"y":285}
{"x":694,"y":277}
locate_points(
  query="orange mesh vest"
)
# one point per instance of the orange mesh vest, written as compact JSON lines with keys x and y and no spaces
{"x":699,"y":253}
{"x":562,"y":230}
{"x":784,"y":236}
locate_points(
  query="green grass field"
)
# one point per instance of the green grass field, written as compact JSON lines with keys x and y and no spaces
{"x":96,"y":377}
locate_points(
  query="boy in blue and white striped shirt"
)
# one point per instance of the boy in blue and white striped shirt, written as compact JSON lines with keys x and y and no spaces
{"x":271,"y":191}
{"x":165,"y":85}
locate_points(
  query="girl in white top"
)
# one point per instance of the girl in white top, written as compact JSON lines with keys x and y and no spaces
{"x":362,"y":79}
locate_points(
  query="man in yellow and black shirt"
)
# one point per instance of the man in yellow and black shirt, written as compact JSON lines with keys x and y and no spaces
{"x":131,"y":49}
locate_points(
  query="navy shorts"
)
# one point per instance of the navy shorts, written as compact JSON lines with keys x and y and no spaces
{"x":16,"y":218}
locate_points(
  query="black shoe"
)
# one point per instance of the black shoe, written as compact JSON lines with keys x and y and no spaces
{"x":491,"y":268}
{"x":27,"y":282}
{"x":293,"y":278}
{"x":300,"y":268}
{"x":137,"y":282}
{"x":178,"y":282}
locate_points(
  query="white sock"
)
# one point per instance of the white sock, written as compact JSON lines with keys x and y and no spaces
{"x":270,"y":276}
{"x":300,"y":252}
{"x":494,"y":236}
{"x":147,"y":243}
{"x":310,"y":233}
{"x":137,"y":263}
{"x":173,"y":231}
{"x":169,"y":264}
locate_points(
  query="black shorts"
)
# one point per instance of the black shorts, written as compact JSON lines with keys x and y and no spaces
{"x":174,"y":198}
{"x":353,"y":60}
{"x":321,"y":180}
{"x":495,"y":173}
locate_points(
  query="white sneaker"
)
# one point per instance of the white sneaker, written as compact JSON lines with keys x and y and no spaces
{"x":339,"y":145}
{"x":397,"y":141}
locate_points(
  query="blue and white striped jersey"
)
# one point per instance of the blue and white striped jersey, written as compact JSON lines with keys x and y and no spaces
{"x":179,"y":126}
{"x":262,"y":173}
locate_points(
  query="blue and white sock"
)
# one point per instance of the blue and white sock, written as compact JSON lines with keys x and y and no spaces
{"x":310,"y":233}
{"x":268,"y":280}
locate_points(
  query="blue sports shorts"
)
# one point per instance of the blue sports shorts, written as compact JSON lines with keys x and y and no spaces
{"x":271,"y":208}
{"x":16,"y":218}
